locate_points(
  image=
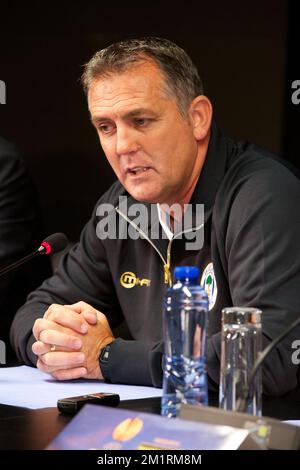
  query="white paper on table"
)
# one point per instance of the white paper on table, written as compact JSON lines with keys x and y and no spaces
{"x":294,"y":422}
{"x":30,"y":388}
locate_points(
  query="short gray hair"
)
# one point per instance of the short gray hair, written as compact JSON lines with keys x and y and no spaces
{"x":180,"y":73}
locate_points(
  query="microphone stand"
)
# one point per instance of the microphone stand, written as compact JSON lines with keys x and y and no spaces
{"x":52,"y":244}
{"x":21,"y":261}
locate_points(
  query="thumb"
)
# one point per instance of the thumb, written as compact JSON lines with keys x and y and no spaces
{"x":90,"y":317}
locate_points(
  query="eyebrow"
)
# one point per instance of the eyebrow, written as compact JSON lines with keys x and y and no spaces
{"x":131,"y":114}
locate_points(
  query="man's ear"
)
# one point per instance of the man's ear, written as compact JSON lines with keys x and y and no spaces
{"x":200,"y":113}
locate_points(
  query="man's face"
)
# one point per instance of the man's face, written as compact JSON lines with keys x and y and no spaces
{"x":149,"y":144}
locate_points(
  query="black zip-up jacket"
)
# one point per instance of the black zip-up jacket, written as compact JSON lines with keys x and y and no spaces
{"x":251,"y":237}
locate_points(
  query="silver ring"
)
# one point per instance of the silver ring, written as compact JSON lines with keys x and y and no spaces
{"x":53,"y":348}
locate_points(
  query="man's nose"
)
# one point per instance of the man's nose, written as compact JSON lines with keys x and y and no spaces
{"x":126,"y":141}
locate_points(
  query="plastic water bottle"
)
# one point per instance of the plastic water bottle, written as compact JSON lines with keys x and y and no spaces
{"x":184,"y":328}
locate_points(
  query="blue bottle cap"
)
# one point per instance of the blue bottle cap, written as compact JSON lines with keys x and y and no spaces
{"x":186,"y":272}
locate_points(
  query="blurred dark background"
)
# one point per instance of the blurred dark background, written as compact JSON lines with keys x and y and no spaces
{"x":247,"y":54}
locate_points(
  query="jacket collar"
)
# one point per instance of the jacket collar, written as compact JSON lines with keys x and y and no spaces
{"x":213,"y":170}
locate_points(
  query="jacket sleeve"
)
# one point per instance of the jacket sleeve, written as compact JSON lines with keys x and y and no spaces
{"x":143,"y":364}
{"x":83,"y":274}
{"x":16,"y":213}
{"x":262,"y":265}
{"x":20,"y":231}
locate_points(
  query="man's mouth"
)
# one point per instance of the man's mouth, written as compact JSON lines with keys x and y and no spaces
{"x":137,"y":170}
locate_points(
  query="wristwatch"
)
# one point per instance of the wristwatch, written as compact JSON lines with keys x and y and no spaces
{"x":103,"y":361}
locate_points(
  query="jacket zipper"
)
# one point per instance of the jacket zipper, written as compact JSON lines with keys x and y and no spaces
{"x":166,"y":262}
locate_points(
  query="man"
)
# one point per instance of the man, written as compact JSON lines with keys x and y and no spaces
{"x":20,"y":232}
{"x":155,"y":126}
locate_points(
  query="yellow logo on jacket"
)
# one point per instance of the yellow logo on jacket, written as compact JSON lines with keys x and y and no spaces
{"x":129,"y":280}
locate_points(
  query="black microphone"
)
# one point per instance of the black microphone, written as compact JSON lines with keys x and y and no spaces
{"x":52,"y":244}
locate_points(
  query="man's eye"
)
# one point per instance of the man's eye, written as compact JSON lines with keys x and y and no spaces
{"x":105,"y":128}
{"x":142,"y":121}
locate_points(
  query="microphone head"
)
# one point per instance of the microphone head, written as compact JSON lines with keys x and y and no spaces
{"x":54,"y":243}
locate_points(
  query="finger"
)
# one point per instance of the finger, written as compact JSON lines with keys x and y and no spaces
{"x":80,"y":306}
{"x":66,"y":317}
{"x":39,"y":348}
{"x":42,"y":324}
{"x":53,"y":370}
{"x":89,"y":313}
{"x":44,"y":368}
{"x":57,"y":338}
{"x":70,"y":374}
{"x":61,"y":359}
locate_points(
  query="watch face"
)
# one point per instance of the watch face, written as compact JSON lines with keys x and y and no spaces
{"x":105,"y":354}
{"x":103,"y":362}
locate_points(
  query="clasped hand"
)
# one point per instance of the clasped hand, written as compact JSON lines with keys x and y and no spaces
{"x":78,"y":333}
